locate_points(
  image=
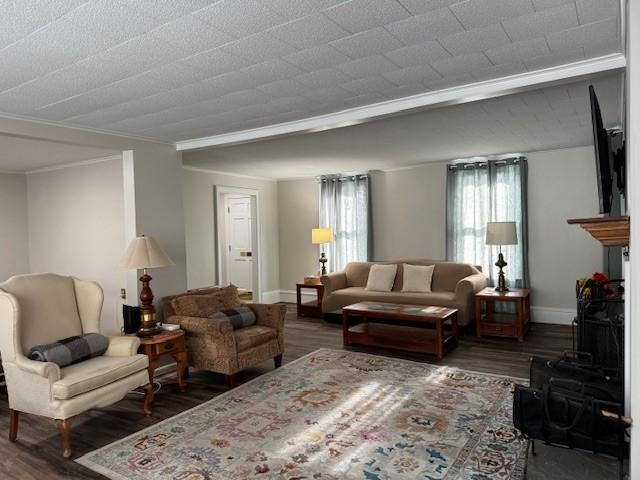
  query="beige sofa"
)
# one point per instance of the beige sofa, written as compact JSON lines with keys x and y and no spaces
{"x":453,"y":285}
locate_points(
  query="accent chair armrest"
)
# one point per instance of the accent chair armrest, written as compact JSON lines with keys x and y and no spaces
{"x":202,"y":326}
{"x":269,"y":314}
{"x":334,"y":281}
{"x":47,"y":370}
{"x":122,"y":346}
{"x":470,"y":285}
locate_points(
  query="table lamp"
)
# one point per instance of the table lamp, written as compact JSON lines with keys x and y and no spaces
{"x":501,"y":233}
{"x":320,"y":236}
{"x":143,"y":253}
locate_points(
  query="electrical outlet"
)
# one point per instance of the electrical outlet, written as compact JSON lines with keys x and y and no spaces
{"x":123,"y":293}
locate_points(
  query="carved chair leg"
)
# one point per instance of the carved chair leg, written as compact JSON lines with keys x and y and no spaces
{"x":148,"y":399}
{"x":13,"y":424}
{"x":277,"y":361}
{"x":231,"y":381}
{"x":65,"y":431}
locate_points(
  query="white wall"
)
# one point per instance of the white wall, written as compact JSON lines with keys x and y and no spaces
{"x":14,"y":247}
{"x":298,"y":214}
{"x":409,"y":218}
{"x":76,"y":228}
{"x":199,"y":226}
{"x":153,"y":190}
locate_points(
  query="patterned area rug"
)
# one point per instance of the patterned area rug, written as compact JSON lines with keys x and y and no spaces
{"x":334,"y":415}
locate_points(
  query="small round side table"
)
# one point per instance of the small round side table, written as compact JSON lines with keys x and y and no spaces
{"x":166,"y":343}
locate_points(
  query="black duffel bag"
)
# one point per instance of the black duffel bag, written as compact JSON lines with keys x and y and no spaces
{"x":562,"y":413}
{"x":599,"y":382}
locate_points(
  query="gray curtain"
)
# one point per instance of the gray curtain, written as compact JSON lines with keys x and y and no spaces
{"x":345,"y":207}
{"x":481,"y":192}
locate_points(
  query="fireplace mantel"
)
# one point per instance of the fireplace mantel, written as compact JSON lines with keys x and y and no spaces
{"x":610,"y":231}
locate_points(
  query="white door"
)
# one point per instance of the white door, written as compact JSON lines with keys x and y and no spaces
{"x":239,"y":237}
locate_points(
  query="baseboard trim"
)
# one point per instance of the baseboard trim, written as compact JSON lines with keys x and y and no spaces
{"x":289,"y":296}
{"x":556,"y":316}
{"x":272,"y":296}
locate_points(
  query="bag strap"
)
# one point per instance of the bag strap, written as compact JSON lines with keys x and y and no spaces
{"x":547,"y":390}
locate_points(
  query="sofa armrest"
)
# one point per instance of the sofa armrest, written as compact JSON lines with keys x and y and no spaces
{"x":47,"y":370}
{"x":202,"y":326}
{"x":334,"y":281}
{"x":469,"y":286}
{"x":122,"y":346}
{"x":269,"y":315}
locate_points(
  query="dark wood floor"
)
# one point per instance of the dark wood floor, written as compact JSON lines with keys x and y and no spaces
{"x":37,"y":454}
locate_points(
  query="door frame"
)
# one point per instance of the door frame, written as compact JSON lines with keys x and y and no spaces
{"x":219,"y":217}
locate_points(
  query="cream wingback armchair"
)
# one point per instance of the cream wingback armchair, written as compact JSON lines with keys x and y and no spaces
{"x":44,"y":308}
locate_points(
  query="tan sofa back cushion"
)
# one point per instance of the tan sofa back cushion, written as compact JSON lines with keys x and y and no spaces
{"x":204,"y":304}
{"x":445,"y":276}
{"x":48,"y":308}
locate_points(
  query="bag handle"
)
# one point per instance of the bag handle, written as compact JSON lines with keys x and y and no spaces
{"x":546,"y":390}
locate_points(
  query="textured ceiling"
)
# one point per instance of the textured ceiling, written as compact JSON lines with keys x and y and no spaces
{"x":174,"y":70}
{"x":544,"y":119}
{"x":19,"y":154}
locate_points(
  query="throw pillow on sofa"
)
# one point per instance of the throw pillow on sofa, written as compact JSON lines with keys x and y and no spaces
{"x":239,"y":317}
{"x":381,"y":277}
{"x":70,"y":350}
{"x":417,"y":278}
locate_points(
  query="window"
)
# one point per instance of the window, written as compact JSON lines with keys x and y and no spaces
{"x":344,"y":207}
{"x":481,"y":192}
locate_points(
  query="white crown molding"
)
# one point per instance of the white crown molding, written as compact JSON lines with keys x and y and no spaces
{"x":80,"y":163}
{"x":11,"y":172}
{"x":449,"y":96}
{"x":237,"y":175}
{"x":53,"y":123}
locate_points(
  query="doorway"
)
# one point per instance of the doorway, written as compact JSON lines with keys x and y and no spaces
{"x":238,"y":241}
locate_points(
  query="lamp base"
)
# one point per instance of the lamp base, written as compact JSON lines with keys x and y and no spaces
{"x":323,"y":261}
{"x":502,"y":285}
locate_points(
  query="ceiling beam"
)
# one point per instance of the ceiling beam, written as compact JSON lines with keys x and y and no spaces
{"x":449,"y":96}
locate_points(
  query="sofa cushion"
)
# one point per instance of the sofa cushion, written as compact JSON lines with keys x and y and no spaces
{"x":350,"y":295}
{"x":206,"y":304}
{"x":417,"y":278}
{"x":253,"y":336}
{"x":381,"y":277}
{"x":447,"y":275}
{"x":95,"y":373}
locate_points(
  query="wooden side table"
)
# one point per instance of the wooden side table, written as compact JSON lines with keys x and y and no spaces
{"x":503,"y":324}
{"x":166,"y":343}
{"x":309,"y":308}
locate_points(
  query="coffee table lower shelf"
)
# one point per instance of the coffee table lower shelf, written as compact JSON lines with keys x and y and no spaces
{"x":399,"y":337}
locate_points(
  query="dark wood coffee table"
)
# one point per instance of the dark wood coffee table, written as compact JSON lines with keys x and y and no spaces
{"x":415,"y":328}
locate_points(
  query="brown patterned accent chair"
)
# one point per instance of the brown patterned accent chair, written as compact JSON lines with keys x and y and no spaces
{"x":213,"y":344}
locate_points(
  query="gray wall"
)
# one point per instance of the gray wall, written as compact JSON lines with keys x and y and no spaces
{"x":76,"y":227}
{"x":14,"y":244}
{"x":199,"y":226}
{"x":409,"y":222}
{"x":298,"y":207}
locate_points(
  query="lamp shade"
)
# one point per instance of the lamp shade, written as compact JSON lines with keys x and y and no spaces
{"x":321,"y":235}
{"x":144,"y":252}
{"x":501,"y":233}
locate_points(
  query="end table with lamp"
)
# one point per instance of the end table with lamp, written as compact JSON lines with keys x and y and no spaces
{"x":322,"y":236}
{"x":144,"y":253}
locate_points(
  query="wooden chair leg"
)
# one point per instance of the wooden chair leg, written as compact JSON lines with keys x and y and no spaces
{"x":148,"y":399}
{"x":13,"y":424}
{"x":277,"y":361}
{"x":231,"y":381}
{"x":65,"y":431}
